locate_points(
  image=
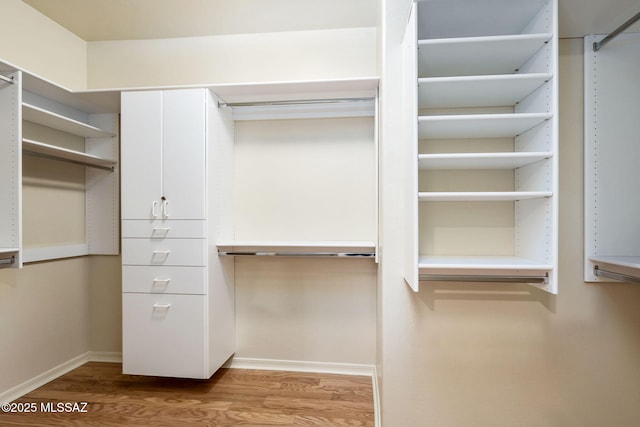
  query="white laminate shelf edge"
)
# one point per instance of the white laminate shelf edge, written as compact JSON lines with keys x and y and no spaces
{"x":63,"y":154}
{"x":436,"y":263}
{"x":481,"y":196}
{"x":477,"y":55}
{"x":478,"y":91}
{"x":623,"y":261}
{"x":298,"y":248}
{"x":43,"y":117}
{"x":478,"y":125}
{"x":459,"y":161}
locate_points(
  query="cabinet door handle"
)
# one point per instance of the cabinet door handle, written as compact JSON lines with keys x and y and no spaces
{"x":154,"y":206}
{"x":165,"y":209}
{"x":161,"y":306}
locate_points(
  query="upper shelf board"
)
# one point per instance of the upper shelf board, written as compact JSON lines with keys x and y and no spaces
{"x":297,"y":246}
{"x":478,"y":91}
{"x":481,"y":196}
{"x":478,"y":125}
{"x":297,"y":90}
{"x":53,"y":151}
{"x":428,"y":263}
{"x":452,"y":161}
{"x":468,"y":56}
{"x":43,"y":117}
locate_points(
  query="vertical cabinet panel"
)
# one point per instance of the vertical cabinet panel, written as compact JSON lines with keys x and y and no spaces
{"x":141,"y":163}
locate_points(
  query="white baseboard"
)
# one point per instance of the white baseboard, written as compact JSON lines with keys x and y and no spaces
{"x":300,"y":366}
{"x":105,"y":356}
{"x":45,"y":377}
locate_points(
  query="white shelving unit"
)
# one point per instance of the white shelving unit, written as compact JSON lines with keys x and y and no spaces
{"x":612,"y":207}
{"x":28,"y":104}
{"x":334,"y":103}
{"x":481,"y":109}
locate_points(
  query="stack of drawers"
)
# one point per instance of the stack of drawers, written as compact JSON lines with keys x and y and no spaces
{"x":164,"y":269}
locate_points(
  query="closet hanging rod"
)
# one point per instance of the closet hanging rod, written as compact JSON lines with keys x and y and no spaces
{"x":616,"y":276}
{"x":222,"y":104}
{"x":6,"y":79}
{"x":302,"y":254}
{"x":10,"y":260}
{"x":75,"y":162}
{"x":598,"y":45}
{"x":483,"y":278}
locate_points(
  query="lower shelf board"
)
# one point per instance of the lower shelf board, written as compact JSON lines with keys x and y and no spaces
{"x":620,"y":268}
{"x":346,"y":249}
{"x":482,"y":269}
{"x":481,"y":196}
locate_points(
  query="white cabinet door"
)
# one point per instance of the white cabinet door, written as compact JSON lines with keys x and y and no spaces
{"x":184,"y":153}
{"x":141,"y":154}
{"x":164,"y":154}
{"x":164,"y":335}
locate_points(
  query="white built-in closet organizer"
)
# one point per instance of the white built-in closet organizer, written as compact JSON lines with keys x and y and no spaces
{"x":193,"y":209}
{"x":481,"y":120}
{"x":612,"y":150}
{"x":26,"y":100}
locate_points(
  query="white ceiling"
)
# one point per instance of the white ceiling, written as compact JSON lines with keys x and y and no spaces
{"x":95,"y":20}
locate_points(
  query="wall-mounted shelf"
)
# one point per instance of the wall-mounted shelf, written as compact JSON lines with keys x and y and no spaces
{"x":38,"y":115}
{"x":480,"y":196}
{"x":480,"y":98}
{"x":477,"y":55}
{"x":509,"y":160}
{"x":354,"y":249}
{"x":478,"y":91}
{"x":478,"y":125}
{"x":58,"y":153}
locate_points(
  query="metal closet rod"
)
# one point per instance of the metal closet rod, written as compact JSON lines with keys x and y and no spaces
{"x":482,"y":278}
{"x":223,"y":104}
{"x":616,"y":276}
{"x":598,"y":45}
{"x":6,"y":79}
{"x":302,"y":254}
{"x":10,"y":260}
{"x":75,"y":162}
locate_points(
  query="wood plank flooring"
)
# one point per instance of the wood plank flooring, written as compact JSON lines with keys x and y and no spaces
{"x":232,"y":397}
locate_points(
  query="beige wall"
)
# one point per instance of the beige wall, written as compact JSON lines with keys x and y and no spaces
{"x":36,"y":44}
{"x":487,"y":355}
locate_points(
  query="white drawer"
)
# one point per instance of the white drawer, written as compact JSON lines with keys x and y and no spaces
{"x":164,"y":335}
{"x":162,"y":279}
{"x":187,"y":252}
{"x":157,"y":229}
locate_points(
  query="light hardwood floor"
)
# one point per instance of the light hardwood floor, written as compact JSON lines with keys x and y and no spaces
{"x":232,"y":397}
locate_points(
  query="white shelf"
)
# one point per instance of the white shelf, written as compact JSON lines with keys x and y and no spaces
{"x":296,"y":248}
{"x":428,"y":263}
{"x":510,"y":160}
{"x":478,"y":91}
{"x":43,"y":117}
{"x":481,"y":196}
{"x":478,"y":125}
{"x":622,"y":261}
{"x":59,"y":153}
{"x":477,"y":55}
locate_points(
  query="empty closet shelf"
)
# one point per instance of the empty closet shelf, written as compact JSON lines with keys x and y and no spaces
{"x":353,"y":249}
{"x":63,"y":154}
{"x":433,"y":264}
{"x":509,"y":160}
{"x":622,"y":268}
{"x":477,"y":55}
{"x":38,"y":115}
{"x":478,"y":125}
{"x":478,"y":91}
{"x":480,"y":196}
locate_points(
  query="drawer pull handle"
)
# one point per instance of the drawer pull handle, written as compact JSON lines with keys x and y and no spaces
{"x":166,"y":281}
{"x":161,"y":252}
{"x":161,"y":306}
{"x":161,"y":229}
